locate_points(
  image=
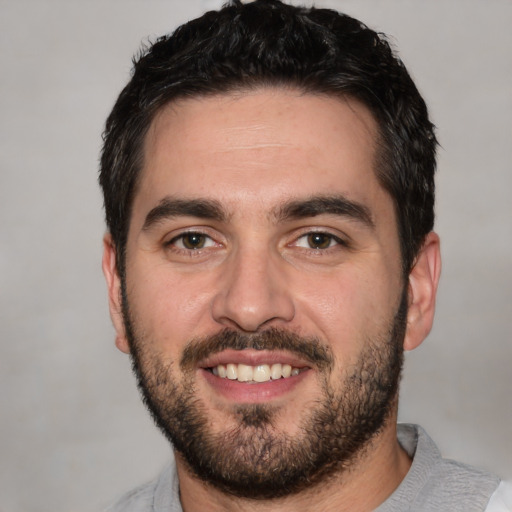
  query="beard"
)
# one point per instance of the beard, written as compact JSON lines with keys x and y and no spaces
{"x":253,"y":459}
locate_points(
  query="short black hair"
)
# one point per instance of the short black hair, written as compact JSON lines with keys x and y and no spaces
{"x":263,"y":43}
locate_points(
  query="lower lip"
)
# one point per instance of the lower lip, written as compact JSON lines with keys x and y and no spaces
{"x":253,"y":392}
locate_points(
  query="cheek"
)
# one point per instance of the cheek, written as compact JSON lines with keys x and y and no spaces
{"x":170,"y":308}
{"x":347,"y":308}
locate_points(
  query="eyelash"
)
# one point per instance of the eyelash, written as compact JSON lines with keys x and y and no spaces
{"x":332,"y":240}
{"x":172,"y":243}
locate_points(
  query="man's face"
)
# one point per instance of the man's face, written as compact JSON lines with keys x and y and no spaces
{"x":263,"y":297}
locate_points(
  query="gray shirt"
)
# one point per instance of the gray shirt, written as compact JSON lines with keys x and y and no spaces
{"x":433,"y":484}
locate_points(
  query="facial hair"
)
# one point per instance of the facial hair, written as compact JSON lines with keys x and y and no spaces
{"x":253,"y":459}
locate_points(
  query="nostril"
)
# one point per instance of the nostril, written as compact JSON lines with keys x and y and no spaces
{"x":253,"y":293}
{"x":252,"y":319}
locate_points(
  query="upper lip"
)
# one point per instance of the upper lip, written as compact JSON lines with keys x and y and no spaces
{"x":253,"y":357}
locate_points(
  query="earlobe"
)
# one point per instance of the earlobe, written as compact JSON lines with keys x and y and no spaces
{"x":423,"y":281}
{"x":113,"y":280}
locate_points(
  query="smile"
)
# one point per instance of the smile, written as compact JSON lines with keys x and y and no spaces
{"x":258,"y":373}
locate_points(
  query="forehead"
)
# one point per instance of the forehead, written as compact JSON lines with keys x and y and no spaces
{"x":265,"y":146}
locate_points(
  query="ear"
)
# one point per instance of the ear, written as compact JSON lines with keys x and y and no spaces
{"x":422,"y":289}
{"x":114,"y":292}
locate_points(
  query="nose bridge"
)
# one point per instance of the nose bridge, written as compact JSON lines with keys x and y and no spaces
{"x":253,"y":291}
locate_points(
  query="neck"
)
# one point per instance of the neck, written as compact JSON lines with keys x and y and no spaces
{"x":362,"y":487}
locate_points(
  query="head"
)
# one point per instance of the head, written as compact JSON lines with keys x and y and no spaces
{"x":268,"y":183}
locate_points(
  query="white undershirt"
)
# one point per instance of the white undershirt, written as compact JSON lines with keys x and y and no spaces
{"x":501,"y":500}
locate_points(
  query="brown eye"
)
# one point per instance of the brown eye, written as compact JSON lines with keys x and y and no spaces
{"x":319,"y":240}
{"x":192,"y":241}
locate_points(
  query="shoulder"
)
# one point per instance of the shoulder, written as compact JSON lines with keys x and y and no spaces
{"x":453,"y":482}
{"x":501,"y":500}
{"x":138,"y":500}
{"x":435,"y":484}
{"x":161,"y":494}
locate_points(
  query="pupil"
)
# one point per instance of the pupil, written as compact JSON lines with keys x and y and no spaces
{"x":193,"y":241}
{"x":319,"y":240}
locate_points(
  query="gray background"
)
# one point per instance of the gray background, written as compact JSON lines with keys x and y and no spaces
{"x":73,"y":434}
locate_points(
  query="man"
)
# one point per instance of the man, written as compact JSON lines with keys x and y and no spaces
{"x":268,"y":182}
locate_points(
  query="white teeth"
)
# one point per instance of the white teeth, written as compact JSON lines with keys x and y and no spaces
{"x":260,"y":373}
{"x":244,"y":373}
{"x":275,"y":371}
{"x":231,"y":371}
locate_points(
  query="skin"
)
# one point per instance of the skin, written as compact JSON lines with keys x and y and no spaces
{"x":253,"y":153}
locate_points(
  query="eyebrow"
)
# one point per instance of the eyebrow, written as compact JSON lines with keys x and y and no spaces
{"x":321,"y":205}
{"x":169,"y":208}
{"x":210,"y":209}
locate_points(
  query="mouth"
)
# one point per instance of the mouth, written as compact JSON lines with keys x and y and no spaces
{"x":256,"y":374}
{"x":253,"y":375}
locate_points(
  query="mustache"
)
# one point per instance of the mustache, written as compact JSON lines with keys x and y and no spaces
{"x":310,"y":349}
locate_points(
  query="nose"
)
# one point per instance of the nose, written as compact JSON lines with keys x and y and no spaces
{"x":253,"y":293}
